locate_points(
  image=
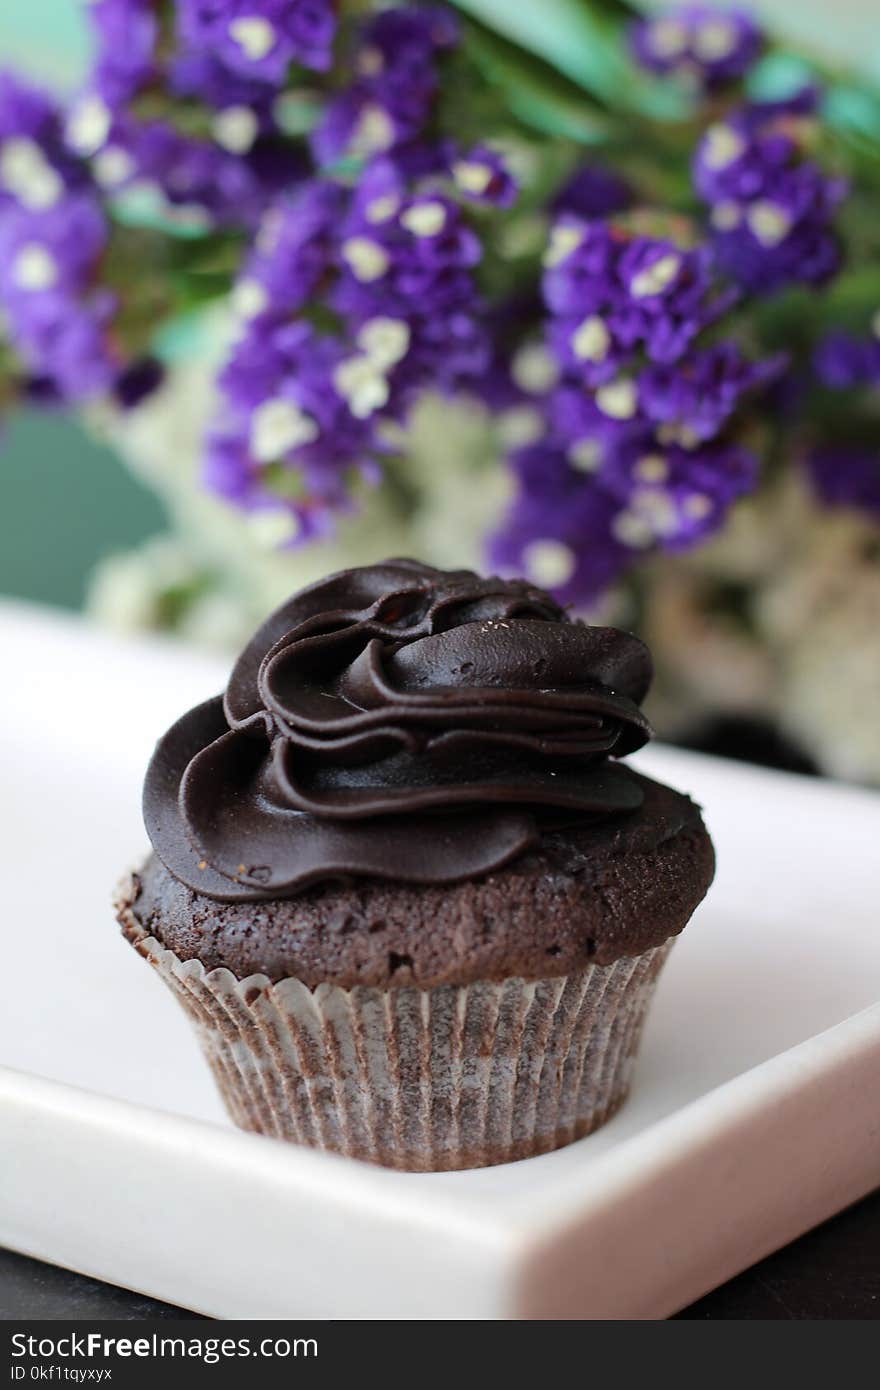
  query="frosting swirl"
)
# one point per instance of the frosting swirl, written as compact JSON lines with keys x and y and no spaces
{"x":402,"y":722}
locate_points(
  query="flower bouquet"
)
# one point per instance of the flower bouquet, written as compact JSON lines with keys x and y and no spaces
{"x":561,"y":289}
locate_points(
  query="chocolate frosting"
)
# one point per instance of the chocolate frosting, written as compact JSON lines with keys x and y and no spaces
{"x":397,"y":722}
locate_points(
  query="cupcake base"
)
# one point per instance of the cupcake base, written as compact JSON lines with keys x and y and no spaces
{"x":425,"y":1080}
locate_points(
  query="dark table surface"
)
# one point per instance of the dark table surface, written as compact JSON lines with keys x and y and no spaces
{"x":832,"y":1272}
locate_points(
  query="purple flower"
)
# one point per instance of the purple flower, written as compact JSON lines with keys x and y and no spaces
{"x":390,"y":101}
{"x":783,"y":239}
{"x":202,"y":75}
{"x":138,"y":380}
{"x":482,"y":176}
{"x":669,"y":297}
{"x":612,"y":295}
{"x":675,"y":497}
{"x":260,"y":38}
{"x":637,"y":452}
{"x":35,"y":169}
{"x":842,"y":361}
{"x":288,"y":433}
{"x":296,"y":247}
{"x":578,"y":422}
{"x":580,"y":265}
{"x":59,"y":323}
{"x":52,"y":251}
{"x":65,"y":340}
{"x":705,"y":45}
{"x":393,"y":268}
{"x":592,"y":191}
{"x":558,"y":531}
{"x":698,"y":397}
{"x":410,"y":257}
{"x":581,"y":516}
{"x":26,"y":111}
{"x":771,"y":209}
{"x":753,"y":144}
{"x":196,"y":176}
{"x":847,"y":474}
{"x":846,"y":471}
{"x":127,"y":33}
{"x":230,"y":471}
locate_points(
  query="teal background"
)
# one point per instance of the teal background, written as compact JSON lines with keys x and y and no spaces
{"x":65,"y":504}
{"x":64,"y":501}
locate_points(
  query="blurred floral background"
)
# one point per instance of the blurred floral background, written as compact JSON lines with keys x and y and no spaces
{"x":567,"y":289}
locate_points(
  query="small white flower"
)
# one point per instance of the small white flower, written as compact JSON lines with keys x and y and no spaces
{"x":586,"y":455}
{"x":697,"y":506}
{"x":271,"y":529}
{"x":112,"y":166}
{"x":549,"y":563}
{"x":374,"y":131}
{"x":656,"y":508}
{"x":249,"y":299}
{"x":534,"y":369}
{"x":370,"y":61}
{"x":632,"y":530}
{"x":384,"y":341}
{"x":726,"y":216}
{"x":424,"y":219}
{"x":382,"y":209}
{"x":769,"y":223}
{"x":657,"y":277}
{"x":254,"y":35}
{"x":366,"y":259}
{"x":34,"y":268}
{"x":652,"y":468}
{"x":618,"y":399}
{"x":269,"y":231}
{"x":715,"y":39}
{"x":277,"y":426}
{"x":721,"y":146}
{"x":88,"y":125}
{"x":520,"y":425}
{"x":236,"y":128}
{"x":26,"y":172}
{"x":675,"y":432}
{"x":667,"y":38}
{"x":591,"y":341}
{"x":564,"y":239}
{"x":472,"y":176}
{"x":362,"y":384}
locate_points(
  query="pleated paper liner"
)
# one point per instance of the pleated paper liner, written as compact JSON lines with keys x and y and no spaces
{"x":457,"y":1076}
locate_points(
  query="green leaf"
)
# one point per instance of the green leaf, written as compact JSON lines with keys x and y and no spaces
{"x":779,"y":75}
{"x":145,"y":207}
{"x":796,"y":318}
{"x":537,"y":96}
{"x":850,"y":107}
{"x":854,"y":111}
{"x":585,"y":40}
{"x":188,"y":337}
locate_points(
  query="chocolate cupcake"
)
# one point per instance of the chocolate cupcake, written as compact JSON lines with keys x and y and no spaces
{"x":411,"y":900}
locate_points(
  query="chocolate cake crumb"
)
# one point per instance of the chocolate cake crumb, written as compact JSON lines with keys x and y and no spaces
{"x":588,"y":894}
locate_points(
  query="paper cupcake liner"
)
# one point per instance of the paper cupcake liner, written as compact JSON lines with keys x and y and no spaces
{"x":457,"y":1076}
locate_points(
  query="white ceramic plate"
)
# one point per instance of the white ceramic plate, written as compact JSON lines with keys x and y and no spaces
{"x":755,"y":1111}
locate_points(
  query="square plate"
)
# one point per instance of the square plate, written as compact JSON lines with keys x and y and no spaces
{"x":755,"y":1111}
